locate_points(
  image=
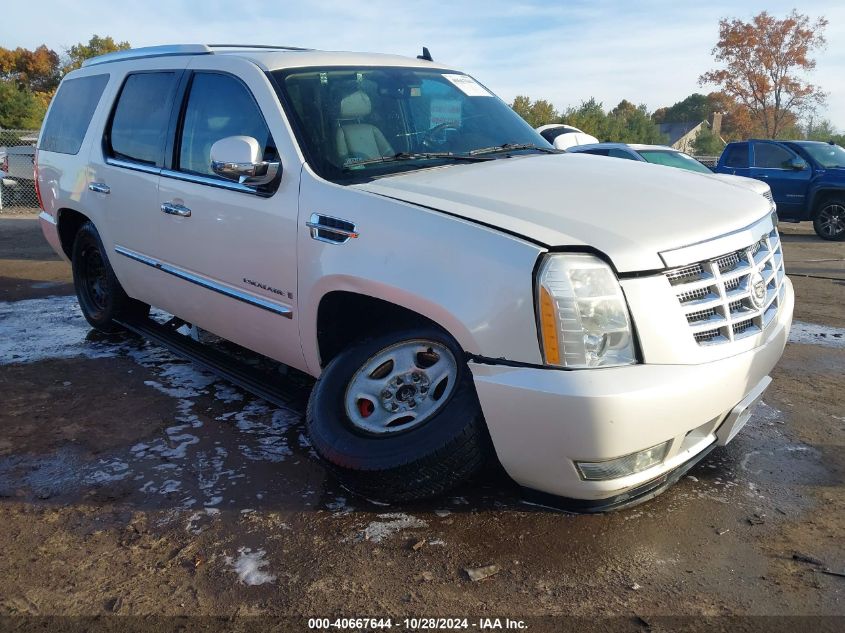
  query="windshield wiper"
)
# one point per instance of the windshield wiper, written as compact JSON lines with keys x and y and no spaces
{"x":415,"y":156}
{"x":511,"y":147}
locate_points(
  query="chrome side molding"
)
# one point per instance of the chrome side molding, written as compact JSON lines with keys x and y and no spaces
{"x":258,"y":302}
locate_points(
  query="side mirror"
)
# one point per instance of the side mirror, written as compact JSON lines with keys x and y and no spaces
{"x":798,"y":164}
{"x":239,"y":158}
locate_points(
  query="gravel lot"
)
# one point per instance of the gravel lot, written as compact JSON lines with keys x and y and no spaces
{"x":133,"y":483}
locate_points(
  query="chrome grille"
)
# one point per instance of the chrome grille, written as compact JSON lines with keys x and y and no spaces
{"x":715,"y":295}
{"x":768,"y":196}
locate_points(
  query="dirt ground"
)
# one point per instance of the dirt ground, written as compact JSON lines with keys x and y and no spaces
{"x":132,"y":483}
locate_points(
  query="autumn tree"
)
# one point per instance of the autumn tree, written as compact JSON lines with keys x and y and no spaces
{"x":762,"y":67}
{"x":97,"y":45}
{"x":36,"y":70}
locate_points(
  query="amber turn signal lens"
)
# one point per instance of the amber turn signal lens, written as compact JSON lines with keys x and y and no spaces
{"x":548,"y":327}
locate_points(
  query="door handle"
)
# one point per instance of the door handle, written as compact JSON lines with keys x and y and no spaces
{"x":171,"y":208}
{"x":99,"y":187}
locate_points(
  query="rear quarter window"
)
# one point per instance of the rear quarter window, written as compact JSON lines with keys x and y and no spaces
{"x":736,"y":155}
{"x":71,"y":112}
{"x":138,"y":129}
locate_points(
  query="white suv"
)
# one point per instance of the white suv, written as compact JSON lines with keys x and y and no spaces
{"x":460,"y":289}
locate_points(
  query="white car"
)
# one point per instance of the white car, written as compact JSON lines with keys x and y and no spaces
{"x":670,"y":157}
{"x":460,"y":290}
{"x":565,"y":136}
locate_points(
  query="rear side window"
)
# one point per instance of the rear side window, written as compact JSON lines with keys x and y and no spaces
{"x":771,"y":156}
{"x":219,"y":106}
{"x":596,"y":152}
{"x":70,"y":116}
{"x":138,"y":129}
{"x":620,"y":153}
{"x":736,"y":155}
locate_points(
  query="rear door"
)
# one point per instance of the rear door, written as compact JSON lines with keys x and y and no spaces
{"x":772,"y":164}
{"x":230,"y":249}
{"x":122,"y":182}
{"x":736,"y":160}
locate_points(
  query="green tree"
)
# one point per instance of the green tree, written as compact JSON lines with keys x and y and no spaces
{"x":19,"y":108}
{"x":696,"y":107}
{"x":707,"y":144}
{"x":536,"y":113}
{"x":97,"y":45}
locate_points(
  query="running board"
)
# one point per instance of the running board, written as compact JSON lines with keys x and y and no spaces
{"x":270,"y":386}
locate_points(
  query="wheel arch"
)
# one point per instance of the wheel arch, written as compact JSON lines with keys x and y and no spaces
{"x":822,"y":195}
{"x":68,"y":223}
{"x":367,"y":311}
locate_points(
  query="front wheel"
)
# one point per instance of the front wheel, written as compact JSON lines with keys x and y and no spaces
{"x":829,"y":222}
{"x":397,"y":416}
{"x":101,"y":297}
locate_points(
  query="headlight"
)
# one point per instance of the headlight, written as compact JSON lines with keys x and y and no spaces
{"x":582,"y":313}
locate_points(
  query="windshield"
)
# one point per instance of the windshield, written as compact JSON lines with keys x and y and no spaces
{"x":825,"y":154}
{"x":359,"y":123}
{"x":673,"y":159}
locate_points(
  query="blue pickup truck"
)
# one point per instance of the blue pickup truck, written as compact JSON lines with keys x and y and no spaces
{"x":807,"y":179}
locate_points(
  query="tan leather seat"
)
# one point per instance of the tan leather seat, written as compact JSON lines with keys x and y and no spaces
{"x":356,"y":139}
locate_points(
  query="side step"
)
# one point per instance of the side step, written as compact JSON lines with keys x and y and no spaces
{"x":269,"y":385}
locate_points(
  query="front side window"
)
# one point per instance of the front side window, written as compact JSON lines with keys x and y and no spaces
{"x":771,"y":156}
{"x":219,"y":106}
{"x":139,"y":124}
{"x":356,"y":123}
{"x":673,"y":159}
{"x":70,"y":116}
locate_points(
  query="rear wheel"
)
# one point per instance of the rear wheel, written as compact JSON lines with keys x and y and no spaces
{"x":829,"y":222}
{"x":397,"y":416}
{"x":100,"y":295}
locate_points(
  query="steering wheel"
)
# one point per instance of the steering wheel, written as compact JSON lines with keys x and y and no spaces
{"x":439,"y":135}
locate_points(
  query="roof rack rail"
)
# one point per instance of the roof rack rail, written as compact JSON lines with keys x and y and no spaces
{"x":261,"y":46}
{"x":179,"y":49}
{"x":149,"y":51}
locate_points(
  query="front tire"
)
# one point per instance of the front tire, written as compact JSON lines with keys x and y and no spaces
{"x":397,"y":416}
{"x":829,"y":222}
{"x":100,"y":295}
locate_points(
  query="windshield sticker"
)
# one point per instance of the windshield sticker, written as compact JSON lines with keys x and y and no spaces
{"x":469,"y":86}
{"x":445,"y":111}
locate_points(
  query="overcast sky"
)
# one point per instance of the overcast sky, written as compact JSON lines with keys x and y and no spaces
{"x":648,"y":51}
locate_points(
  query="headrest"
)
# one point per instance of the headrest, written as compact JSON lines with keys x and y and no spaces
{"x":355,"y":105}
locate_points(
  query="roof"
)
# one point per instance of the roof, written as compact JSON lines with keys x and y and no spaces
{"x":267,"y":57}
{"x":676,"y":131}
{"x":637,"y":147}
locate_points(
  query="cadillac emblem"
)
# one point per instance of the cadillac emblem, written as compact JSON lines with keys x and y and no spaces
{"x":758,"y":290}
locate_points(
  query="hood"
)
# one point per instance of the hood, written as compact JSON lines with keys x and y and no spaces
{"x":757,"y":186}
{"x":629,"y":210}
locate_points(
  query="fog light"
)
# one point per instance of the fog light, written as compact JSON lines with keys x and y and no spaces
{"x":623,"y":466}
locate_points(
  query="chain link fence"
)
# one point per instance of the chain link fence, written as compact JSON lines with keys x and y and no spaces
{"x":710,"y":161}
{"x":17,"y":184}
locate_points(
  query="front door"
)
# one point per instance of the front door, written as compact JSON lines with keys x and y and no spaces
{"x":230,"y":249}
{"x":772,"y":163}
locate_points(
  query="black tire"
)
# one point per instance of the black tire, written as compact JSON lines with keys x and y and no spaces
{"x":425,"y":461}
{"x":100,"y":295}
{"x":829,"y":220}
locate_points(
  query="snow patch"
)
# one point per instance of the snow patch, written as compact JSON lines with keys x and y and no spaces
{"x":249,"y":567}
{"x":814,"y":334}
{"x":392,"y":522}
